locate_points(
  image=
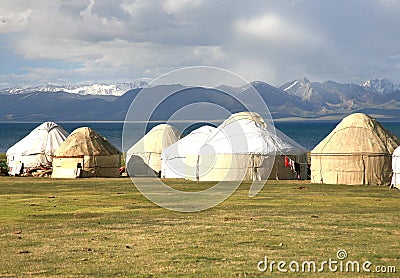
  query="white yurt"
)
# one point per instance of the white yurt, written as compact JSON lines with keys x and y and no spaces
{"x":144,"y":158}
{"x":37,"y":148}
{"x":173,"y":158}
{"x":243,"y":147}
{"x":395,"y":183}
{"x":85,"y":153}
{"x":358,"y":151}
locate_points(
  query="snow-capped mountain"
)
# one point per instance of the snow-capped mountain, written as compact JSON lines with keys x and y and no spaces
{"x":300,"y":87}
{"x":300,"y":99}
{"x":304,"y":88}
{"x":327,"y":94}
{"x":382,"y":86}
{"x":95,"y":89}
{"x":333,"y":92}
{"x":333,"y":95}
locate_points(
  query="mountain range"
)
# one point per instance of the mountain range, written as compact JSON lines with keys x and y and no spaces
{"x":299,"y":99}
{"x":381,"y":98}
{"x":95,"y":89}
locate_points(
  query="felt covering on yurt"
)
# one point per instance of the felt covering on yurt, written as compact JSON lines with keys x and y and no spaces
{"x":244,"y":147}
{"x":358,"y":151}
{"x":37,"y":148}
{"x":173,"y":158}
{"x":85,"y":153}
{"x":144,"y":158}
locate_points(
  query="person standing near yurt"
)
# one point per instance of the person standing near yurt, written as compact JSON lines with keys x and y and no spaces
{"x":144,"y":158}
{"x":36,"y":149}
{"x":85,"y":153}
{"x":358,"y":151}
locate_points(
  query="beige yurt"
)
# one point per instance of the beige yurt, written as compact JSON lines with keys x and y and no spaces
{"x":244,"y":147}
{"x":144,"y":158}
{"x":85,"y":153}
{"x":358,"y":151}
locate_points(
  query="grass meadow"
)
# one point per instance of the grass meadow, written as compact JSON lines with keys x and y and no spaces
{"x":105,"y":227}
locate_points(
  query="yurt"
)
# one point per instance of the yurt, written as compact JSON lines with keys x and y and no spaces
{"x":144,"y":158}
{"x":243,"y":147}
{"x":37,"y":148}
{"x":396,"y":169}
{"x":173,"y":158}
{"x":85,"y":153}
{"x":358,"y":151}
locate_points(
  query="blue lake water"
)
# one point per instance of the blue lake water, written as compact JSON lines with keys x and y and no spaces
{"x":308,"y":134}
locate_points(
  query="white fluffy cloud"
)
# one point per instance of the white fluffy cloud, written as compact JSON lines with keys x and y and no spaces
{"x":274,"y":41}
{"x":276,"y":30}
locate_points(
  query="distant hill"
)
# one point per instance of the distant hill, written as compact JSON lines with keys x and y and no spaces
{"x":297,"y":99}
{"x":380,"y":96}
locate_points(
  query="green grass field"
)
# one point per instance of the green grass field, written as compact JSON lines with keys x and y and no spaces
{"x":105,"y":227}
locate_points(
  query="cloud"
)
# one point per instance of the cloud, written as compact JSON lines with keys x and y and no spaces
{"x":13,"y":21}
{"x":180,"y":6}
{"x":274,"y":41}
{"x":272,"y":28}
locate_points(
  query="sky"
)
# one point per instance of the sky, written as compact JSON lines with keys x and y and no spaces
{"x":101,"y":41}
